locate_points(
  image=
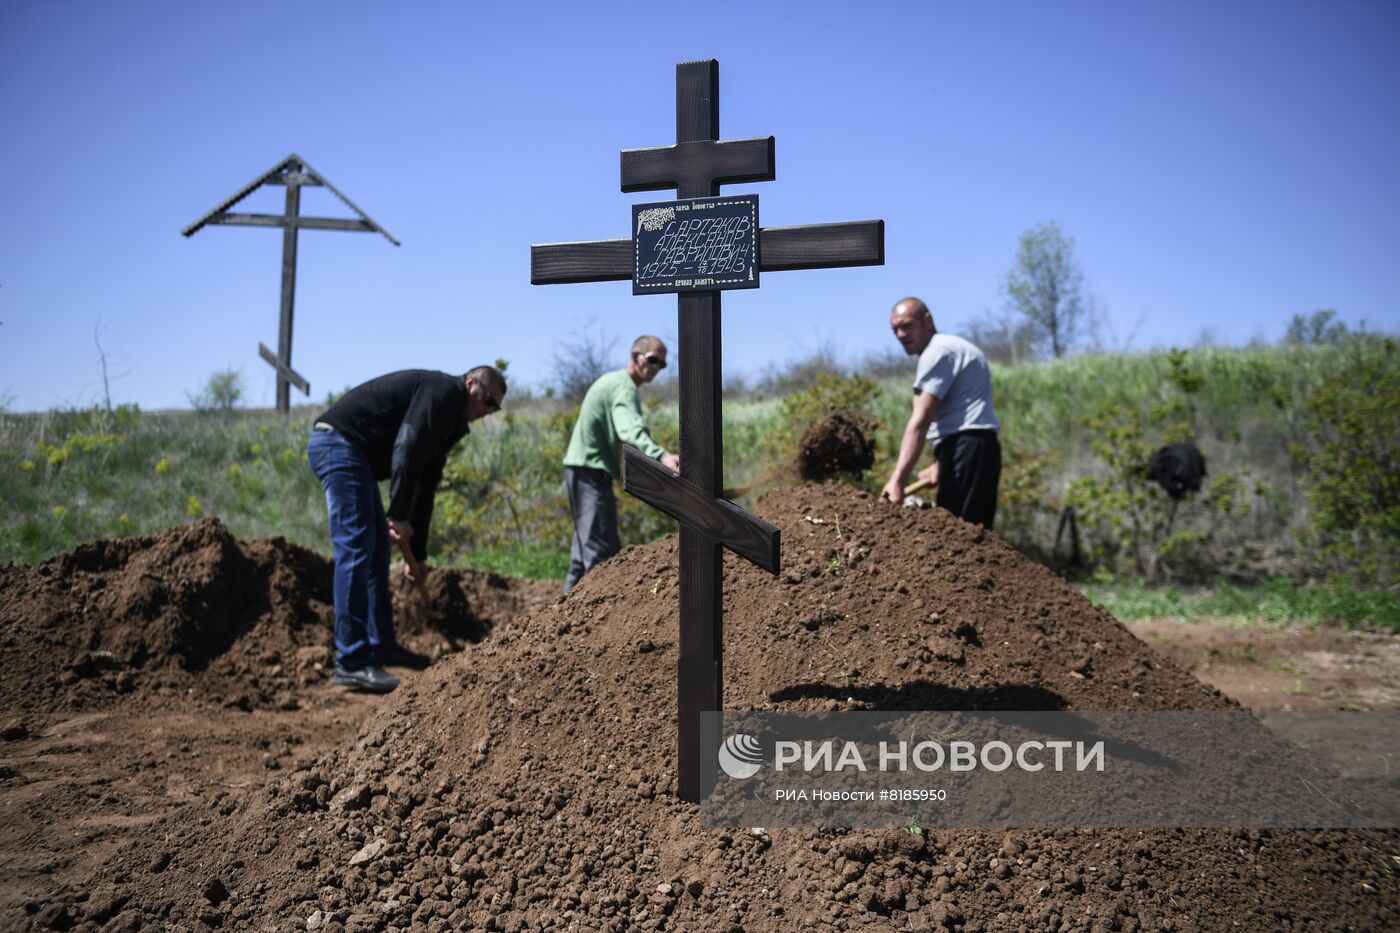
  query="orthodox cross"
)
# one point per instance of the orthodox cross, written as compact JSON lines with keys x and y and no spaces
{"x":293,"y":173}
{"x":696,"y":166}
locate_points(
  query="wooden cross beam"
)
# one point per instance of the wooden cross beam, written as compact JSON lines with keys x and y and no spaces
{"x":283,"y":370}
{"x":746,"y":535}
{"x":781,"y":249}
{"x":696,"y":166}
{"x":294,"y":173}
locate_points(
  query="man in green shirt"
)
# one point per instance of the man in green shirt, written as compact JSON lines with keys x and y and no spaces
{"x":611,"y":415}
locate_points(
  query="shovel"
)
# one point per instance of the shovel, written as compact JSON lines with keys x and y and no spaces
{"x":420,"y":587}
{"x":912,"y":501}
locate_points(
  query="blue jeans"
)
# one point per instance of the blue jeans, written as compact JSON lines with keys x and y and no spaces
{"x":364,"y":616}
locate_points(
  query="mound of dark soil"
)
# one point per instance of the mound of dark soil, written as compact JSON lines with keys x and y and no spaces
{"x":250,"y":623}
{"x":832,"y":447}
{"x":528,"y":783}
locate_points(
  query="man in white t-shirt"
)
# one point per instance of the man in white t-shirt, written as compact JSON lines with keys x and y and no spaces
{"x":953,"y":411}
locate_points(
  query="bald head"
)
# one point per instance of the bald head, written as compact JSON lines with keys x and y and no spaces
{"x":911,"y":306}
{"x":912,"y":325}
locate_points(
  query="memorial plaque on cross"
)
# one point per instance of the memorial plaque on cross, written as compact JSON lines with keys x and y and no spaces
{"x":293,"y":173}
{"x":695,"y":167}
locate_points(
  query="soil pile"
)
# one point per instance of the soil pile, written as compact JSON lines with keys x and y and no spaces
{"x":529,"y":782}
{"x":250,"y":623}
{"x":833,"y":446}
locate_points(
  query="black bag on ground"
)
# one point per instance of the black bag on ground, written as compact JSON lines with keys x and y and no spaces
{"x":1178,"y":469}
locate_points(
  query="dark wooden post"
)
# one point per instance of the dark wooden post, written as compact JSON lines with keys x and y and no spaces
{"x":696,"y":166}
{"x":700,"y":674}
{"x":289,"y":290}
{"x":295,"y":173}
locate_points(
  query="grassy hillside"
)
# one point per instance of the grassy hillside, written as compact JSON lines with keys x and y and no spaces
{"x":67,"y":477}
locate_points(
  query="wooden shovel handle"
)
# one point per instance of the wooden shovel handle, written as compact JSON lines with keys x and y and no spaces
{"x":917,"y":485}
{"x":420,"y":587}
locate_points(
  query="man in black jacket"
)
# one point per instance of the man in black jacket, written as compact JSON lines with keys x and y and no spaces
{"x":399,"y":427}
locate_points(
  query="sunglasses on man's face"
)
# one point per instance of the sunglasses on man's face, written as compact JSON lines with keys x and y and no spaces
{"x":488,"y":398}
{"x":657,"y":361}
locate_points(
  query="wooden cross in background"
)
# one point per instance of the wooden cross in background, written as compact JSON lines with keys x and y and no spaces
{"x":696,"y":166}
{"x":294,"y":173}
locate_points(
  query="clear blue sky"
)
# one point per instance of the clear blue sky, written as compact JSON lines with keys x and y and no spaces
{"x":1221,"y":166}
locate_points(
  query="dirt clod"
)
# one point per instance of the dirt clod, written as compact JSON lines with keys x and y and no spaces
{"x":832,"y":447}
{"x":214,"y":891}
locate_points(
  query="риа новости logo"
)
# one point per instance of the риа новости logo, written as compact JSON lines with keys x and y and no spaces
{"x":741,"y":756}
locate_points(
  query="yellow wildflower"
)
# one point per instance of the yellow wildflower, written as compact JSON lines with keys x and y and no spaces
{"x":27,"y":466}
{"x":163,"y":466}
{"x":59,"y":511}
{"x":194,"y":508}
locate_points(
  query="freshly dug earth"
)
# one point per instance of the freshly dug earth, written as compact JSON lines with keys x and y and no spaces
{"x":528,"y":781}
{"x":194,"y":610}
{"x":833,"y":446}
{"x":154,"y":681}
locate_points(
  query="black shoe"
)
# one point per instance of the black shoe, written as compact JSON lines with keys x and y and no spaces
{"x":371,"y":678}
{"x":399,"y":656}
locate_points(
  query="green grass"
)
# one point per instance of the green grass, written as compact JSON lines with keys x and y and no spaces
{"x":536,"y":561}
{"x":69,"y":477}
{"x":64,"y":481}
{"x":1042,"y":403}
{"x":1275,"y":601}
{"x":1249,"y":396}
{"x":1247,"y":415}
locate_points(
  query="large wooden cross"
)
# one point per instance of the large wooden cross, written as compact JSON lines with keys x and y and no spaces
{"x":294,"y":173}
{"x":696,"y":166}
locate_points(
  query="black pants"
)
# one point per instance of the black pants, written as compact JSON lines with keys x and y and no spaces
{"x":969,"y":468}
{"x":594,"y":506}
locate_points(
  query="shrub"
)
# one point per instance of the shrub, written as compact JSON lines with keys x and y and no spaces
{"x":1127,"y":518}
{"x":1349,"y":463}
{"x":222,"y":392}
{"x":1318,"y":327}
{"x":1023,"y":495}
{"x":503,"y":486}
{"x":830,"y":394}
